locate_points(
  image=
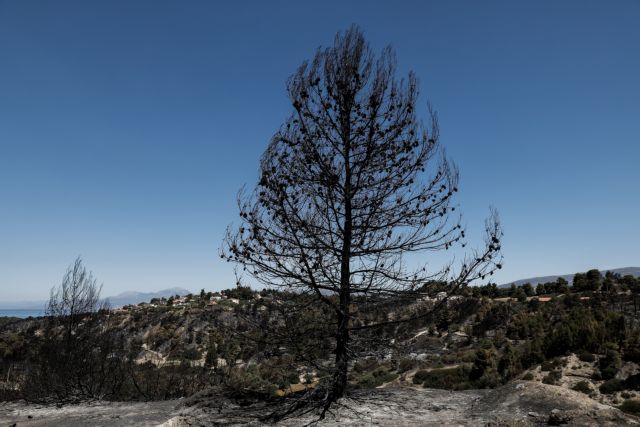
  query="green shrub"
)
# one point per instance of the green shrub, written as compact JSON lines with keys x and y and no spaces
{"x":610,"y":363}
{"x":585,"y":356}
{"x":631,"y":406}
{"x":376,"y":378}
{"x":608,"y":372}
{"x":546,"y":366}
{"x":528,"y":376}
{"x":469,"y":356}
{"x":449,"y":378}
{"x":490,"y":379}
{"x":406,"y":364}
{"x":450,"y":359}
{"x":583,"y":387}
{"x":550,"y":365}
{"x":612,"y":386}
{"x":552,"y":378}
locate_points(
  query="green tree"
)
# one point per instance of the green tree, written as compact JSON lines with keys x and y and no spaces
{"x":562,"y":286}
{"x":528,"y":289}
{"x":594,"y":280}
{"x":520,"y":295}
{"x":580,"y":283}
{"x":610,"y":363}
{"x":508,"y":365}
{"x":484,"y":361}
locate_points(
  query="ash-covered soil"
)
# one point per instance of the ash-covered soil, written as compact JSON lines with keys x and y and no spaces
{"x":522,"y":403}
{"x":133,"y":414}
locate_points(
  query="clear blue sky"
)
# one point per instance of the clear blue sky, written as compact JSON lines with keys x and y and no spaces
{"x":127,"y":127}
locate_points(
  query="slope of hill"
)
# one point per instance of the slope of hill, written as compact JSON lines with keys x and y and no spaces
{"x":633,"y":271}
{"x":119,"y":300}
{"x":127,"y":298}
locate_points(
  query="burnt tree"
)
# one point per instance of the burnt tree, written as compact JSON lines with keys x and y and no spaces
{"x":352,"y":182}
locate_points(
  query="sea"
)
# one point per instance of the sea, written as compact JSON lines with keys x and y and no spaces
{"x":23,"y":314}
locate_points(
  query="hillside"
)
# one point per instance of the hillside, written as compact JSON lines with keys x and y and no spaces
{"x":133,"y":297}
{"x":122,"y":299}
{"x":624,"y":271}
{"x":577,"y":352}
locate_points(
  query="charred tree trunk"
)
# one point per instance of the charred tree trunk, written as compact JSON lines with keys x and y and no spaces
{"x":339,"y":384}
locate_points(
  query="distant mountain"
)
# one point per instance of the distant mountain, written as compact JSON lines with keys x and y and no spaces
{"x":126,"y":298}
{"x":119,"y":300}
{"x":633,"y":271}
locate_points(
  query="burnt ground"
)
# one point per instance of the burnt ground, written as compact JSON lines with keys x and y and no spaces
{"x":522,"y":403}
{"x":101,"y":414}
